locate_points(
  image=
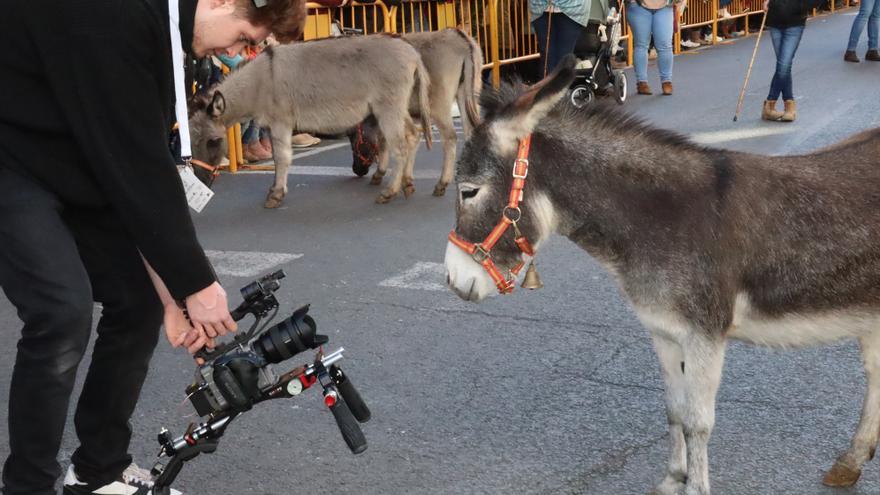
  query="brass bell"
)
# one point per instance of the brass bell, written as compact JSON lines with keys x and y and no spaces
{"x":532,"y":280}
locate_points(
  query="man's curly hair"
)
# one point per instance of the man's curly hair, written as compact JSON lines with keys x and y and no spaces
{"x":284,"y":18}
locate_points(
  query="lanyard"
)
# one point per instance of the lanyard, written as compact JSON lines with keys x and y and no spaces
{"x":179,"y":84}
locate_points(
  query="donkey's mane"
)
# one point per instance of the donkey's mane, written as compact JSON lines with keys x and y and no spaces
{"x":611,"y":119}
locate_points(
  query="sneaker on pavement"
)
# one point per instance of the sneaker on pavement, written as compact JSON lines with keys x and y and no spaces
{"x":132,"y":481}
{"x":689,"y":44}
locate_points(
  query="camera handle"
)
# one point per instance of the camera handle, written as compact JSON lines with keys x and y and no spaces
{"x":201,"y":439}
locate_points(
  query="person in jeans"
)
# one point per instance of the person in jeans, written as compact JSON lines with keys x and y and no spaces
{"x":786,"y":20}
{"x":647,"y":19}
{"x":565,"y":20}
{"x":869,"y":13}
{"x":92,"y":208}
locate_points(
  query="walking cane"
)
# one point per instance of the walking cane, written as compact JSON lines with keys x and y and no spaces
{"x":742,"y":93}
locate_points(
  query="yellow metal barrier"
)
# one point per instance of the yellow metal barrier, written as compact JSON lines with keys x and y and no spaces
{"x":500,"y":27}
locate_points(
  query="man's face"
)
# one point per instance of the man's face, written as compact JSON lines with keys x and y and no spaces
{"x":218,"y":29}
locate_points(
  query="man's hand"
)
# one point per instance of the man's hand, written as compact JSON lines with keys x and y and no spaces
{"x":209,"y":312}
{"x":766,"y":5}
{"x":180,"y":332}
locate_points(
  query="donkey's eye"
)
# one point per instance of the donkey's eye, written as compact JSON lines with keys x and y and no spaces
{"x":469,"y":193}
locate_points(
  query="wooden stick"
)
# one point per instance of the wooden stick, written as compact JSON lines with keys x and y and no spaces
{"x":742,"y":93}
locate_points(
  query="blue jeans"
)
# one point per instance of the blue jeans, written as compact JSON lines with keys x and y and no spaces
{"x":869,"y":12}
{"x":644,"y":23}
{"x":785,"y":44}
{"x":564,"y":33}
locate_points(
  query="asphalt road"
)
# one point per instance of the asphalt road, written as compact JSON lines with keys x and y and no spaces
{"x":555,"y":391}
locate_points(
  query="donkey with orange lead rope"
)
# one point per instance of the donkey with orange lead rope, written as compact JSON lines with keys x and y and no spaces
{"x":707,"y":245}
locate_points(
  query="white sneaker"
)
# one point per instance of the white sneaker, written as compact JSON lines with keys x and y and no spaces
{"x":709,"y":38}
{"x":689,"y":44}
{"x":132,"y":481}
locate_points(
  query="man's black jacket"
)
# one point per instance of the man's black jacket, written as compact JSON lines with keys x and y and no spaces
{"x":86,"y":107}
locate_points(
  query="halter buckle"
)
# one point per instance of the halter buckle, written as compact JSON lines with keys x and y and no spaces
{"x":525,"y":162}
{"x":479,"y":255}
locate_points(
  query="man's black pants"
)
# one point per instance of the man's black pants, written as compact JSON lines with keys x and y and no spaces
{"x":55,"y":261}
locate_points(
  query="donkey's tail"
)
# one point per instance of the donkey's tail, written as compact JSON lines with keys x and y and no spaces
{"x":471,"y":84}
{"x":423,"y":81}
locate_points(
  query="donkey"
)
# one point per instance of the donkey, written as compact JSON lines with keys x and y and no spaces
{"x":328,"y":86}
{"x":454,"y":62}
{"x":707,"y":245}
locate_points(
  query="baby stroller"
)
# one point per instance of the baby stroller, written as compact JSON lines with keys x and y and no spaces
{"x":593,"y":74}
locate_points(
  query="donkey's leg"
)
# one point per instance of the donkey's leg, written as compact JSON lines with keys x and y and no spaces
{"x":703,"y":362}
{"x":447,"y":132}
{"x":848,"y":468}
{"x":396,"y":132}
{"x":282,"y":154}
{"x":413,"y":137}
{"x":671,"y":360}
{"x":382,"y":166}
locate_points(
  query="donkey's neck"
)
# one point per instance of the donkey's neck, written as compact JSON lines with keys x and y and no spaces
{"x":619,"y":197}
{"x":241,"y":93}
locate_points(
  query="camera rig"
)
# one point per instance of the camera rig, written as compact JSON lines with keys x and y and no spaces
{"x":238,"y":374}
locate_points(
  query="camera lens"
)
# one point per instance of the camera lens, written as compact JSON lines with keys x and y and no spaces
{"x":289,"y":337}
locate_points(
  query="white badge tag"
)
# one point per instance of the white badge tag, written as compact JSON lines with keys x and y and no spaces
{"x":197,"y":193}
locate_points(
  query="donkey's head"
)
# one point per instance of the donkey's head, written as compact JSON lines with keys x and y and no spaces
{"x":484,"y":176}
{"x":207,"y":133}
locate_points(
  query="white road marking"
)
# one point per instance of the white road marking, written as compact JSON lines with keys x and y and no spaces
{"x":247,"y":263}
{"x":424,"y":275}
{"x":715,"y":137}
{"x":300,"y":153}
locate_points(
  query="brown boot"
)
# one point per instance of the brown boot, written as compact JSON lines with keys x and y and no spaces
{"x":850,"y":56}
{"x":769,"y":112}
{"x":257,"y":152}
{"x":667,"y":88}
{"x":790,"y":111}
{"x":643,"y":88}
{"x":872,"y":55}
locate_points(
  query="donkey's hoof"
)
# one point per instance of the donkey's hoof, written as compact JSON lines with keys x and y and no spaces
{"x":841,"y":475}
{"x":385,"y":197}
{"x":376,"y":180}
{"x":273,"y":200}
{"x":439,"y":190}
{"x":409,"y":190}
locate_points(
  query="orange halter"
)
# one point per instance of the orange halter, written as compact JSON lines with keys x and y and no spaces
{"x":509,"y":217}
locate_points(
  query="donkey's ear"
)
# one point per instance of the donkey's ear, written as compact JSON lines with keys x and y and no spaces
{"x":218,"y":106}
{"x":519,"y":118}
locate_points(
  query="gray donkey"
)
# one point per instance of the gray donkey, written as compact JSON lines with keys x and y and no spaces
{"x":707,"y":245}
{"x":327,"y":86}
{"x":454,"y":62}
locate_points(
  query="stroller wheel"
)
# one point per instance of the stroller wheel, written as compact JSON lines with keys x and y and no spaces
{"x":620,"y":86}
{"x":581,"y":96}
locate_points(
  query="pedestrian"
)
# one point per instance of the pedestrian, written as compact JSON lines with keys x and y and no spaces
{"x":786,"y":20}
{"x":647,"y":19}
{"x":558,"y":25}
{"x":92,"y":209}
{"x":869,"y":13}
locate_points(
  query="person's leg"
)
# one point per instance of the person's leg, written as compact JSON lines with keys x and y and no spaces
{"x":858,"y":25}
{"x":776,"y":82}
{"x":540,"y":27}
{"x":127,"y":334}
{"x":791,"y":39}
{"x":564,"y":35}
{"x":639,"y":20}
{"x":873,"y":25}
{"x":661,"y":26}
{"x":42,"y":275}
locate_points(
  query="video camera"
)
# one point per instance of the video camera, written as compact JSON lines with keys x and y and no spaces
{"x":239,"y":374}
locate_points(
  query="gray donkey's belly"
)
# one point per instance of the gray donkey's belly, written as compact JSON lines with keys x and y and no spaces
{"x":799,"y":329}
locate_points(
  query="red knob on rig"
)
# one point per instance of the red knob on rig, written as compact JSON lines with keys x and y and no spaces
{"x":330,"y":398}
